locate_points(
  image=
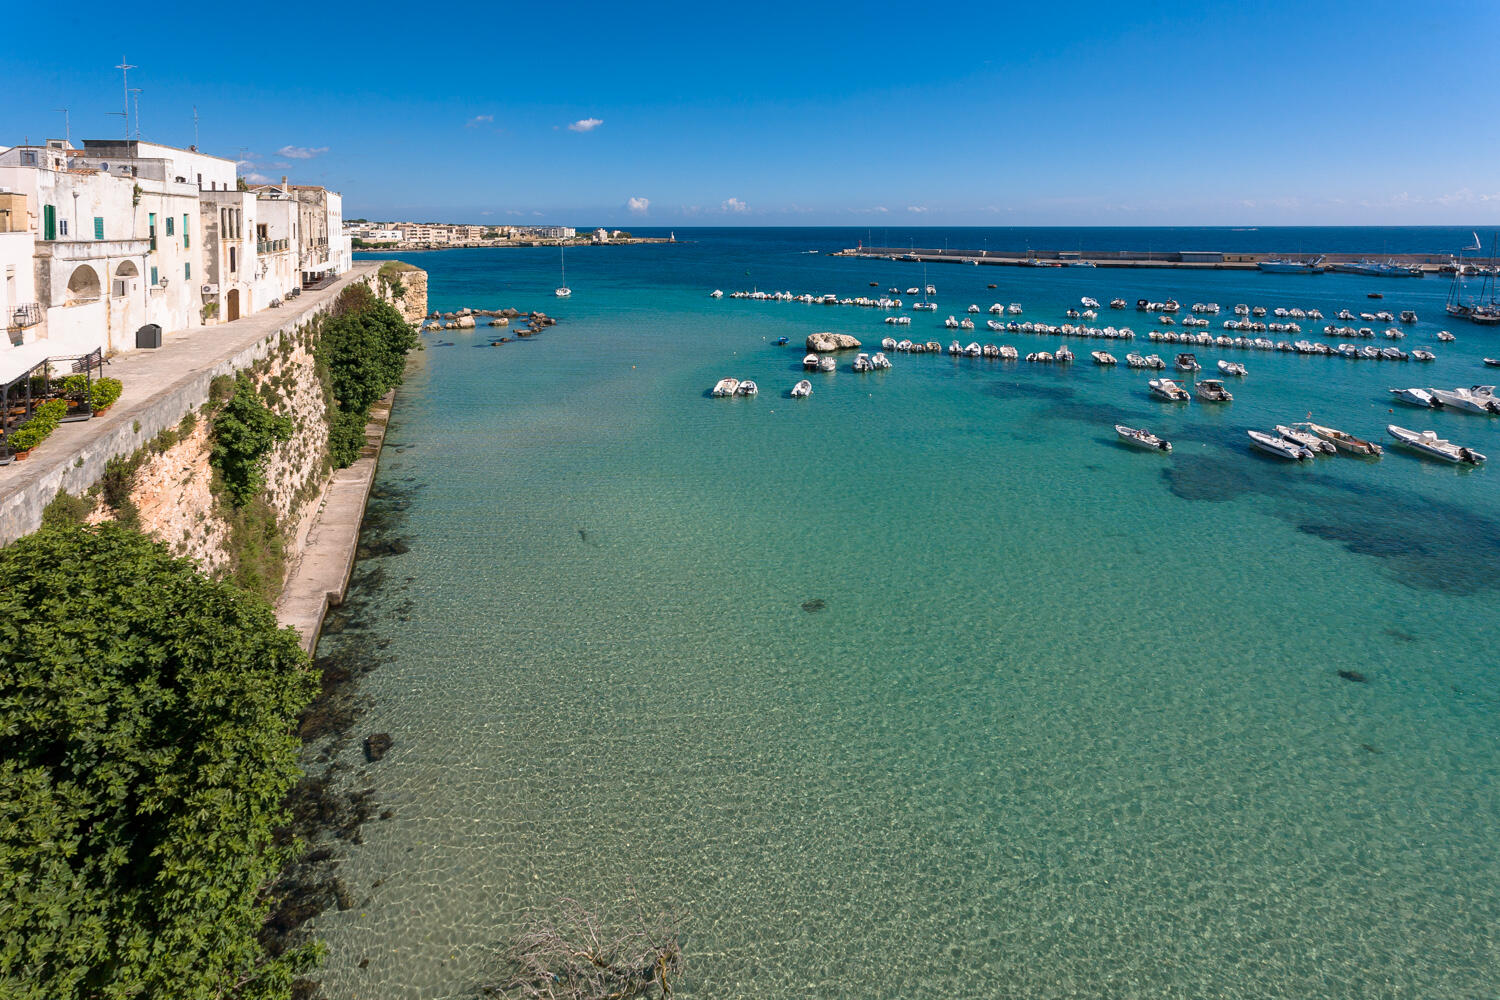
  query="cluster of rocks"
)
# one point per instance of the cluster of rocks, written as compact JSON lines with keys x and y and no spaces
{"x":824,"y":342}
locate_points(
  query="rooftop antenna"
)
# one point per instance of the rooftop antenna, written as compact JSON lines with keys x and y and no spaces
{"x":137,"y":92}
{"x":67,"y":128}
{"x":195,"y":126}
{"x":125,"y":69}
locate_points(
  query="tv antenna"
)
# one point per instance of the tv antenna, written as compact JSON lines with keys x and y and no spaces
{"x":67,"y":128}
{"x":125,"y":69}
{"x":195,"y":126}
{"x":137,"y":92}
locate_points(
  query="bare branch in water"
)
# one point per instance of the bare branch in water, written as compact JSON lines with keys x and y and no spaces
{"x":569,"y":953}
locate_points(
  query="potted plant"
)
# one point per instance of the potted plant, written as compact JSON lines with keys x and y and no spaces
{"x":36,"y":430}
{"x":103,"y":393}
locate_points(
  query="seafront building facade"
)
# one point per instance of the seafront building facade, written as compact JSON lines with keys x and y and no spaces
{"x":101,"y":240}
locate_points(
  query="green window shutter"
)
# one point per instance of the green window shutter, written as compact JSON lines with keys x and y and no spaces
{"x":184,"y":231}
{"x":151,"y":231}
{"x":187,"y":272}
{"x":169,"y":225}
{"x":98,"y":227}
{"x":153,"y":276}
{"x":49,"y":222}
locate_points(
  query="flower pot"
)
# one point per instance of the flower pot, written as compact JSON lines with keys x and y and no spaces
{"x":20,"y":456}
{"x":102,"y":410}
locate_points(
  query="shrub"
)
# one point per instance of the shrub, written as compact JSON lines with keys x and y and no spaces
{"x":147,"y":741}
{"x":104,"y":391}
{"x":243,"y":433}
{"x":363,"y":349}
{"x":43,"y":422}
{"x":66,"y":510}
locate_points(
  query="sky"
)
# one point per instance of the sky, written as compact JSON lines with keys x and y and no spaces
{"x":869,"y":114}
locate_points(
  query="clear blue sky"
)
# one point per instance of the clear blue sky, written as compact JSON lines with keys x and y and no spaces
{"x":1038,"y":113}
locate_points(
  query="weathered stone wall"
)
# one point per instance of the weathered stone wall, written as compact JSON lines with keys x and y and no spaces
{"x":411,"y":283}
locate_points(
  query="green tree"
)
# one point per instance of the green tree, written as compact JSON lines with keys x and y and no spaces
{"x":363,"y":347}
{"x":243,"y":434}
{"x":147,"y":741}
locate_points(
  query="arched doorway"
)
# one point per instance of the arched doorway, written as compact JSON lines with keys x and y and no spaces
{"x":83,"y":284}
{"x":123,"y":273}
{"x":232,"y":304}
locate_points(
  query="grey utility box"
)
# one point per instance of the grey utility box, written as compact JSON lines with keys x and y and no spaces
{"x":148,"y":335}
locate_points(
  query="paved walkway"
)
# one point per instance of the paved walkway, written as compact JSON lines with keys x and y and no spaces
{"x":159,"y":387}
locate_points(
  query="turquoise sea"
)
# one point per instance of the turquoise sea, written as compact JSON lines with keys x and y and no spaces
{"x":1069,"y":722}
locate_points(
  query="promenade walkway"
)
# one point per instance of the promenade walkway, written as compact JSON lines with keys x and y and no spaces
{"x":160,"y":386}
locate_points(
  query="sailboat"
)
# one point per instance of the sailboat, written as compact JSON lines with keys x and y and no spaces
{"x":1482,"y":309}
{"x":562,"y":291}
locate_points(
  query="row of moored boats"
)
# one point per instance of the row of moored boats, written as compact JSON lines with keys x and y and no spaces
{"x":1303,"y":441}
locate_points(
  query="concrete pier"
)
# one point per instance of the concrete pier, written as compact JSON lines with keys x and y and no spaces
{"x":1202,"y":260}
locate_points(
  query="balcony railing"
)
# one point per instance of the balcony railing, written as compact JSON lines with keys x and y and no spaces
{"x":272,"y":246}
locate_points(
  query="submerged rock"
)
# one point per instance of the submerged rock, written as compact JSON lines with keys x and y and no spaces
{"x":814,"y":606}
{"x":1353,"y":675}
{"x":377,"y":745}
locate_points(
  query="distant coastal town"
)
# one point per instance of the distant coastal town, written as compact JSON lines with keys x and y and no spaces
{"x":365,"y":234}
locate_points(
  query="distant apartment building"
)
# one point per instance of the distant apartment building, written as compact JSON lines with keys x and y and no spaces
{"x":98,"y":241}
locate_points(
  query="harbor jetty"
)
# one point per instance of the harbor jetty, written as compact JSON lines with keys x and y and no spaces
{"x":1210,"y":260}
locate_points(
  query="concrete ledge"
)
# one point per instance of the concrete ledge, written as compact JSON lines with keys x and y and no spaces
{"x":320,"y":577}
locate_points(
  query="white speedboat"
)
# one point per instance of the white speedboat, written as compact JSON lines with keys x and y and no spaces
{"x":1280,"y":447}
{"x":1186,"y":362}
{"x":1009,"y":353}
{"x":1103,"y":358}
{"x":811,"y":362}
{"x":888,"y":344}
{"x":1169,"y":390}
{"x":716,"y":294}
{"x":1089,"y":303}
{"x":1420,"y":355}
{"x":951,"y":322}
{"x":726,"y":386}
{"x":1408,"y":316}
{"x":827,"y":365}
{"x":1117,"y":303}
{"x":1414,"y":397}
{"x":966,"y":324}
{"x":880,"y":362}
{"x":1063,"y":353}
{"x":862,"y":363}
{"x":802,"y":389}
{"x":1014,"y":309}
{"x":1446,"y":337}
{"x":747,"y":388}
{"x":1135,"y":360}
{"x":1428,"y":443}
{"x":1142,"y":438}
{"x":1232,"y":368}
{"x":1211,"y":390}
{"x":1492,"y":362}
{"x":1155,"y":361}
{"x":955,"y":348}
{"x":973,"y":350}
{"x":1306,"y":439}
{"x":1342,"y":441}
{"x":1465,"y":400}
{"x":973,"y":308}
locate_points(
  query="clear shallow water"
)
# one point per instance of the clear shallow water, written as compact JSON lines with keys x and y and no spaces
{"x":1070,"y":722}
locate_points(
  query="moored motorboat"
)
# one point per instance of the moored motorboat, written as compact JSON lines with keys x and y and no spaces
{"x":862,"y":363}
{"x":1232,"y":368}
{"x":880,"y":362}
{"x":1278,"y":446}
{"x":810,"y":362}
{"x":1063,"y":354}
{"x":802,"y":389}
{"x":1135,"y":360}
{"x":726,"y":386}
{"x":1428,"y":443}
{"x":1103,"y":358}
{"x":1414,"y":397}
{"x":827,"y":365}
{"x":746,"y":388}
{"x":1492,"y":362}
{"x":1343,"y":441}
{"x":1187,"y":362}
{"x":1445,"y":336}
{"x":1306,"y":439}
{"x":1155,"y":361}
{"x":1211,"y":390}
{"x":1169,"y":390}
{"x":1466,"y":401}
{"x":1142,"y":438}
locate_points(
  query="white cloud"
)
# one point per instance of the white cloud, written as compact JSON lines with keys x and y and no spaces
{"x":514,"y":211}
{"x":585,"y":124}
{"x":638,"y":205}
{"x":486,"y":213}
{"x":478,"y":120}
{"x":537,"y":214}
{"x":916,"y":208}
{"x":253,"y":178}
{"x":735,"y":205}
{"x":301,"y":152}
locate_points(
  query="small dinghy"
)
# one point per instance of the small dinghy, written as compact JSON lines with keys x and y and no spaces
{"x":1342,"y":441}
{"x":1009,"y":353}
{"x":1420,"y":355}
{"x":1306,"y":439}
{"x":1428,"y":443}
{"x":1135,"y":360}
{"x":1041,"y":356}
{"x":1169,"y":390}
{"x":811,"y":362}
{"x":880,"y":362}
{"x":1415,"y":397}
{"x":781,"y":341}
{"x":802,"y":389}
{"x":1154,"y":361}
{"x":1465,"y":401}
{"x":1280,"y":447}
{"x":747,"y":388}
{"x":1142,"y":438}
{"x":1103,"y":358}
{"x":1232,"y":368}
{"x":1211,"y":390}
{"x":862,"y":363}
{"x":726,"y":387}
{"x":1063,"y":354}
{"x":1446,"y":337}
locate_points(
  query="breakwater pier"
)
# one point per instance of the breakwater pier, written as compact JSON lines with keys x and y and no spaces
{"x":1212,"y":260}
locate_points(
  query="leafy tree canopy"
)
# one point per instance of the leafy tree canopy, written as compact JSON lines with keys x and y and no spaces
{"x":147,"y":742}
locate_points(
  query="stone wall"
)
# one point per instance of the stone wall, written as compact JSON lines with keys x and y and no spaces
{"x":411,"y":283}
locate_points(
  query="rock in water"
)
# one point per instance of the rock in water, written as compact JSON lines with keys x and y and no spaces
{"x":1353,"y":675}
{"x":823,"y":342}
{"x":377,"y":745}
{"x":814,"y":606}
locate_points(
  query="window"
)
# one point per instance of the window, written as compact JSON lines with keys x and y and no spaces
{"x":62,"y":227}
{"x":153,"y":277}
{"x":232,"y":266}
{"x":98,"y":227}
{"x":169,"y":226}
{"x":49,"y":220}
{"x":187,"y":272}
{"x":184,"y":231}
{"x":151,"y":230}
